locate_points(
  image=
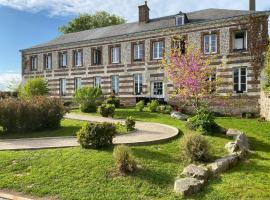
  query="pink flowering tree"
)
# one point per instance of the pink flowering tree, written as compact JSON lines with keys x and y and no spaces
{"x":191,"y":75}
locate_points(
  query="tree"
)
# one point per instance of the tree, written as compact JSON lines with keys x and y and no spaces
{"x":34,"y":87}
{"x":87,"y":21}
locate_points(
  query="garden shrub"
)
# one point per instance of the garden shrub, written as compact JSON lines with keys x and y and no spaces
{"x":165,"y":109}
{"x":96,"y":135}
{"x":130,"y":123}
{"x":88,"y":98}
{"x":112,"y":99}
{"x":140,"y":106}
{"x":153,"y":106}
{"x":124,"y":160}
{"x":203,"y":121}
{"x":30,"y":114}
{"x":106,"y":110}
{"x":195,"y":147}
{"x":34,"y":87}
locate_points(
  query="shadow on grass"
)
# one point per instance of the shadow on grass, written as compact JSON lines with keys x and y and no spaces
{"x":259,"y":145}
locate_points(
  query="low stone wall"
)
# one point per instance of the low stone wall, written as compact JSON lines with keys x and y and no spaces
{"x":265,"y":106}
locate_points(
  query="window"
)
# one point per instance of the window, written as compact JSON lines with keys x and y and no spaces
{"x":48,"y":61}
{"x":63,"y":87}
{"x":96,"y":56}
{"x":115,"y":55}
{"x":115,"y":84}
{"x":63,"y":59}
{"x":240,"y":80}
{"x":212,"y":84}
{"x":180,"y":20}
{"x":138,"y":84}
{"x":179,"y":44}
{"x":158,"y":49}
{"x":78,"y":58}
{"x":158,"y":89}
{"x":97,"y":81}
{"x":240,"y":40}
{"x":33,"y":62}
{"x":138,"y":52}
{"x":77,"y":83}
{"x":210,"y":44}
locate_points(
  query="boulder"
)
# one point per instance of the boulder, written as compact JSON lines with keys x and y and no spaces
{"x":188,"y":186}
{"x":178,"y":115}
{"x":196,"y":172}
{"x":233,"y":133}
{"x":223,"y":164}
{"x":243,"y":142}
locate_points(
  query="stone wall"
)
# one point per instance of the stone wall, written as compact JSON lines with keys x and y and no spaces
{"x":265,"y":106}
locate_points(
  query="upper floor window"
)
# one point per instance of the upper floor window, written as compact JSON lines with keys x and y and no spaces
{"x":158,"y":47}
{"x":138,"y":84}
{"x":48,"y":61}
{"x":33,"y":62}
{"x":138,"y":51}
{"x":240,"y":80}
{"x":97,"y":81}
{"x":96,"y":56}
{"x":63,"y":87}
{"x":78,"y":58}
{"x":77,"y":83}
{"x":210,"y":44}
{"x":180,"y":20}
{"x":240,"y":40}
{"x":115,"y":84}
{"x":63,"y":59}
{"x":115,"y":55}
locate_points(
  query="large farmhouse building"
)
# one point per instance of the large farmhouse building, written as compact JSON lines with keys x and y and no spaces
{"x":124,"y":59}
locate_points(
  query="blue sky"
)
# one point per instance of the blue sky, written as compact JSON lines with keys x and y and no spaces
{"x":25,"y":23}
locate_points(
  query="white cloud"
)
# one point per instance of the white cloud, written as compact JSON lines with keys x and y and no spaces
{"x":9,"y":80}
{"x":126,"y":8}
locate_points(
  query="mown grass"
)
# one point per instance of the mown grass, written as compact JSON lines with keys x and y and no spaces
{"x":75,"y":173}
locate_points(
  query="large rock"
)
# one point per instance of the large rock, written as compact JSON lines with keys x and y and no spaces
{"x":233,"y":133}
{"x":240,"y":145}
{"x":196,"y":172}
{"x":223,"y":164}
{"x":188,"y":186}
{"x":178,"y":115}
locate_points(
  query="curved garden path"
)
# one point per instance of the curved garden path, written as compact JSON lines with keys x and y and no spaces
{"x":146,"y":133}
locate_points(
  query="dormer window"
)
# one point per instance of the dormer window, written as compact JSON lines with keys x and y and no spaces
{"x":180,"y":20}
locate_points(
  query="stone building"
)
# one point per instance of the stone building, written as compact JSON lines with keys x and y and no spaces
{"x":125,"y":58}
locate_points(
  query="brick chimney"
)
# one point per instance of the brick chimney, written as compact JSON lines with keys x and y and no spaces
{"x":144,"y":13}
{"x":252,"y":5}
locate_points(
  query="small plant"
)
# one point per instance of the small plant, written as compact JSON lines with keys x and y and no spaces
{"x":96,"y":135}
{"x":112,"y":99}
{"x":140,"y":106}
{"x":165,"y":109}
{"x":106,"y":110}
{"x":34,"y":87}
{"x":130,"y":124}
{"x":124,"y":160}
{"x":195,"y":147}
{"x":153,"y":106}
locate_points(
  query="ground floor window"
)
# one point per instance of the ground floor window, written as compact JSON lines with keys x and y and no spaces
{"x":97,"y":81}
{"x":78,"y":83}
{"x":157,"y":89}
{"x":63,"y":87}
{"x":138,"y":84}
{"x":115,"y":84}
{"x":240,"y":79}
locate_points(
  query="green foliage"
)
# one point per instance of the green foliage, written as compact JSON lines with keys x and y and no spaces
{"x":106,"y":110}
{"x":140,"y":106}
{"x":96,"y":135}
{"x":34,"y":87}
{"x":112,"y":99}
{"x":153,"y":106}
{"x":130,"y":123}
{"x":124,"y":160}
{"x":203,"y":121}
{"x":195,"y":147}
{"x":88,"y":98}
{"x":30,"y":114}
{"x":164,"y":109}
{"x":87,"y":21}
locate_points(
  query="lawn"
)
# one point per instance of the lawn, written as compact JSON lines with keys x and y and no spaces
{"x":74,"y":173}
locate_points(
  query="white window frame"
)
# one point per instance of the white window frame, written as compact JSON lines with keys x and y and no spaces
{"x":78,"y":55}
{"x":95,"y":51}
{"x":210,"y":36}
{"x":239,"y":80}
{"x":182,"y":20}
{"x":115,"y":55}
{"x":153,"y":89}
{"x":138,"y":50}
{"x":245,"y":40}
{"x":63,"y":86}
{"x":138,"y":80}
{"x":77,"y":83}
{"x":33,"y":63}
{"x":97,"y":81}
{"x":160,"y":48}
{"x":115,"y":84}
{"x":48,"y":61}
{"x":63,"y":59}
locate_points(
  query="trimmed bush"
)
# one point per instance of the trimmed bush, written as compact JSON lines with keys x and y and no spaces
{"x":195,"y":147}
{"x":165,"y":109}
{"x":30,"y":114}
{"x":130,"y":123}
{"x":106,"y":110}
{"x":88,"y":98}
{"x":140,"y":106}
{"x":96,"y":135}
{"x":124,"y":160}
{"x":34,"y":87}
{"x":112,"y":99}
{"x":153,"y":106}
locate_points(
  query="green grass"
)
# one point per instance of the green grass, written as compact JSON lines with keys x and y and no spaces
{"x":75,"y":173}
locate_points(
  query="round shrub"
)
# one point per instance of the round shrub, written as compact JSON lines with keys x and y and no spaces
{"x":164,"y":109}
{"x":96,"y":135}
{"x":106,"y":110}
{"x":195,"y":147}
{"x":124,"y":160}
{"x":140,"y":106}
{"x":112,"y":99}
{"x":34,"y":87}
{"x":130,"y":123}
{"x":153,"y":106}
{"x":88,"y":98}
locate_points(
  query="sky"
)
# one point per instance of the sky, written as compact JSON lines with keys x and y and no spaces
{"x":25,"y":23}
